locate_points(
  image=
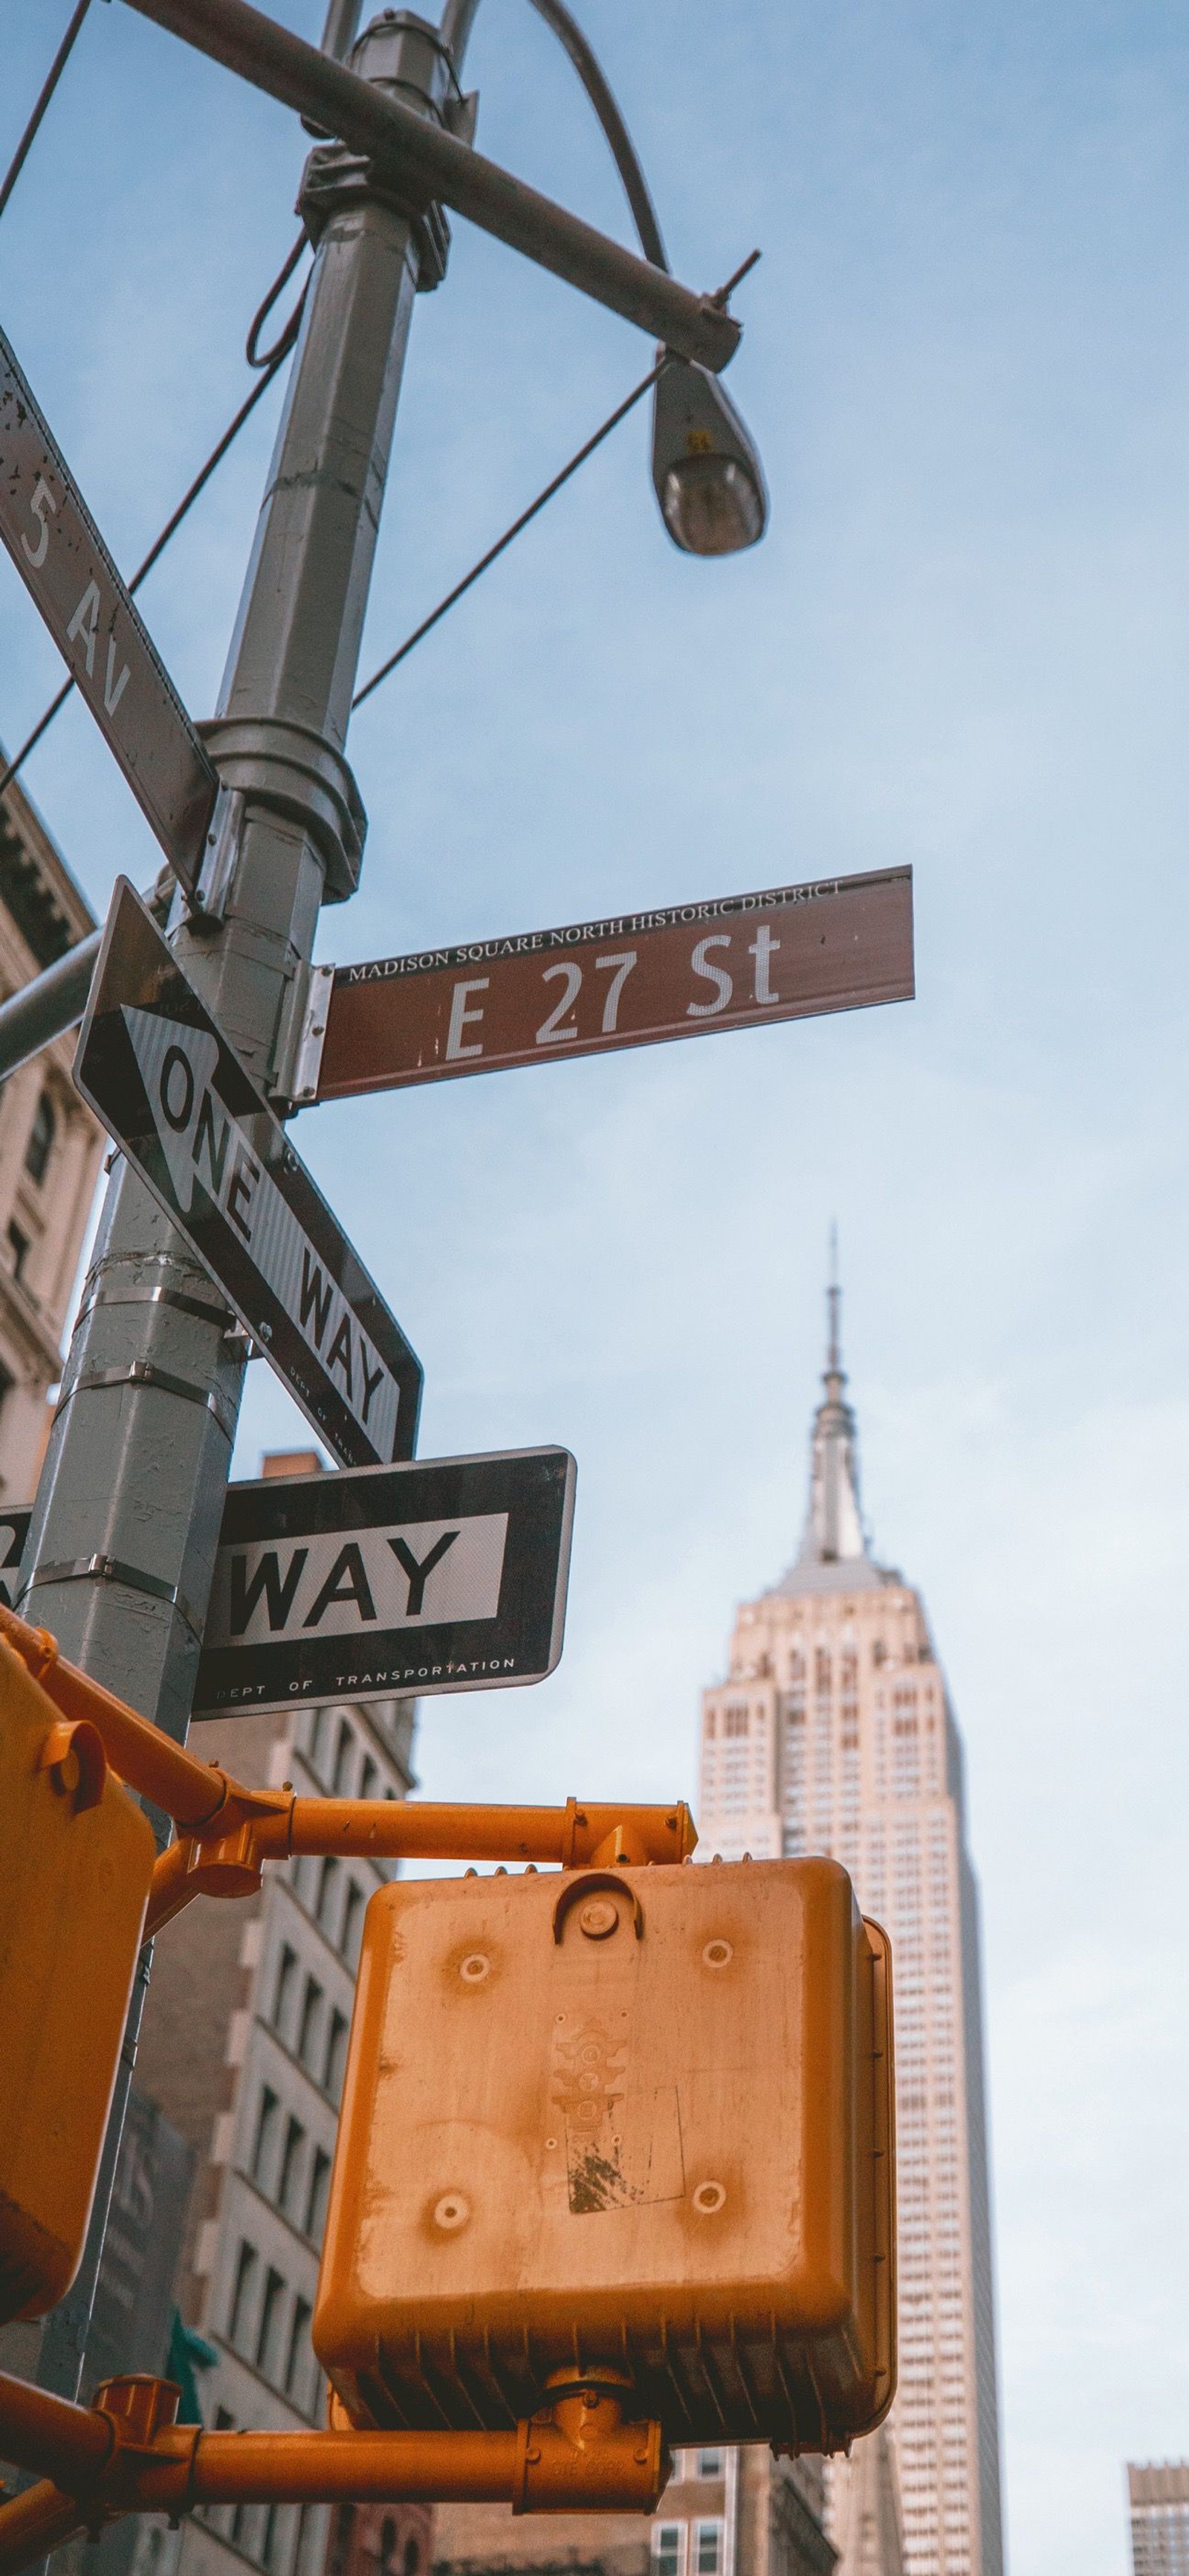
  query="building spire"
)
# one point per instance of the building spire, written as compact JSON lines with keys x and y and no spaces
{"x":834,"y":1525}
{"x":833,"y":1310}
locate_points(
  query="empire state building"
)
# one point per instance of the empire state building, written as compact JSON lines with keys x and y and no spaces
{"x":834,"y":1733}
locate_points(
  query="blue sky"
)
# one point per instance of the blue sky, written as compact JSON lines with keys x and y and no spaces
{"x":964,"y":645}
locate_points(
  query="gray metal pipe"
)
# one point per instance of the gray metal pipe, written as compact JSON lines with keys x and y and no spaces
{"x":421,"y":157}
{"x":121,"y":1550}
{"x":598,"y":90}
{"x":46,"y":1008}
{"x":458,"y":19}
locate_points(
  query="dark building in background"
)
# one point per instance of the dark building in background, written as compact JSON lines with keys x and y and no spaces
{"x":50,"y":1149}
{"x":380,"y":2540}
{"x":725,"y":2512}
{"x":132,"y":2326}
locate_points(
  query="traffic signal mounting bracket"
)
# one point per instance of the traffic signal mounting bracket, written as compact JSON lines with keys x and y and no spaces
{"x":226,"y":1831}
{"x":127,"y":2454}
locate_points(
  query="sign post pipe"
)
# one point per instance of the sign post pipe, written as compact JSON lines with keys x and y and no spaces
{"x":45,"y":1008}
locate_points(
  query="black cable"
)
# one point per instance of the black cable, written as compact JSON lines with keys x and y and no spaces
{"x":49,"y":85}
{"x":611,"y":423}
{"x":274,"y":358}
{"x":264,"y":358}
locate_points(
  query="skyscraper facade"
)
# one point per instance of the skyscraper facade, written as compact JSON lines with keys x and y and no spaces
{"x":1158,"y":2495}
{"x":833,"y":1732}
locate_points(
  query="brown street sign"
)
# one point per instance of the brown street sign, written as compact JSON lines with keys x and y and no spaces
{"x":57,"y":549}
{"x":632,"y":980}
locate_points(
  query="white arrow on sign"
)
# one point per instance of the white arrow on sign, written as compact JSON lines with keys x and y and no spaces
{"x":206,"y":1149}
{"x":156,"y":1068}
{"x":412,"y":1574}
{"x":446,"y":1575}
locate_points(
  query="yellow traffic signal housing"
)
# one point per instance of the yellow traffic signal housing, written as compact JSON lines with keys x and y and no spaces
{"x":638,"y":2120}
{"x":76,"y":1859}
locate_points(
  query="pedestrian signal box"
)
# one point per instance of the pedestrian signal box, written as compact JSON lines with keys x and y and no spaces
{"x":76,"y":1857}
{"x":635,"y":2119}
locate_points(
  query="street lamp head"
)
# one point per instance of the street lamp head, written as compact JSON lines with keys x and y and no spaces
{"x":708,"y":477}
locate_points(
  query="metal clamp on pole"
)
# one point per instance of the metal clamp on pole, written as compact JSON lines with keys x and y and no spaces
{"x":289,"y":770}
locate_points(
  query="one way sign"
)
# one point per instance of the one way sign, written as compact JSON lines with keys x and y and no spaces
{"x":159,"y":1073}
{"x":450,"y":1575}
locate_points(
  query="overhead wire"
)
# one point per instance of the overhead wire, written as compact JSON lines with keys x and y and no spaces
{"x":45,"y":94}
{"x":267,"y":362}
{"x":526,"y":516}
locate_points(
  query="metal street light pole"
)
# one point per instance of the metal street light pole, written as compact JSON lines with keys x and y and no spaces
{"x":125,"y":1527}
{"x":126,"y":1523}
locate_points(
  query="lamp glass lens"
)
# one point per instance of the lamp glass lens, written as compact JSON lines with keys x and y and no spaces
{"x":711,"y":505}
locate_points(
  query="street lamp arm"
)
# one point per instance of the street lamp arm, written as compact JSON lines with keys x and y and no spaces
{"x":457,"y":22}
{"x":425,"y":157}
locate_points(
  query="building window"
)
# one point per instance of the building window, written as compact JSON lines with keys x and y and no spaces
{"x":336,"y":2055}
{"x":244,"y":2274}
{"x":708,"y":2550}
{"x":710,"y":2464}
{"x":412,"y":2560}
{"x":266,"y":2122}
{"x":342,"y":1757}
{"x":326,"y":1887}
{"x":319,"y":2187}
{"x":307,"y":2526}
{"x":317,"y":1740}
{"x":18,"y":1245}
{"x":310,"y":2009}
{"x":299,"y":2340}
{"x":286,"y":1972}
{"x":270,"y":2319}
{"x":294,"y":2142}
{"x":368,"y":1778}
{"x":668,"y":2552}
{"x":41,"y":1139}
{"x":352,"y":1923}
{"x":338,"y":2556}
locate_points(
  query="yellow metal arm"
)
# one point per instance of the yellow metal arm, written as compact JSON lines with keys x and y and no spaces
{"x":227,"y":1831}
{"x":273,"y":1824}
{"x":126,"y":2454}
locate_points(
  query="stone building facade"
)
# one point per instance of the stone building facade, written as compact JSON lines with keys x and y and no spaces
{"x":833,"y":1732}
{"x":243,"y":2048}
{"x":51,"y":1148}
{"x":725,"y":2512}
